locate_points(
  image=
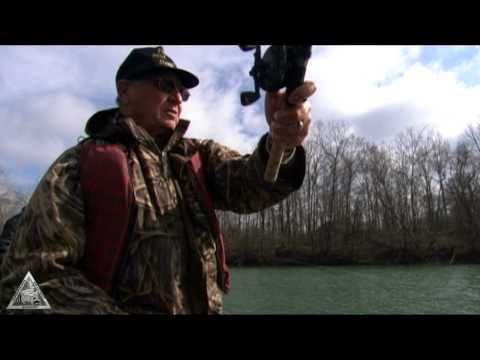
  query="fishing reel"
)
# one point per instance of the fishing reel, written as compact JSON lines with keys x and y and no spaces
{"x":281,"y":66}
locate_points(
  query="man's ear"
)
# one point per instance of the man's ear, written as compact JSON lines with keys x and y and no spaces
{"x":122,"y":90}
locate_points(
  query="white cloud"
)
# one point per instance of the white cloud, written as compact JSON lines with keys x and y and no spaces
{"x":38,"y":130}
{"x":447,"y":103}
{"x":217,"y":114}
{"x":439,"y":97}
{"x":28,"y":70}
{"x":347,"y":76}
{"x":85,"y":71}
{"x":469,"y":68}
{"x":381,"y":90}
{"x":48,"y":92}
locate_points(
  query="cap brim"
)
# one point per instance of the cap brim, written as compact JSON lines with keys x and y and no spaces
{"x":187,"y":78}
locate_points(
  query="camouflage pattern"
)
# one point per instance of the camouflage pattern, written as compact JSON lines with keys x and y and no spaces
{"x":171,"y":260}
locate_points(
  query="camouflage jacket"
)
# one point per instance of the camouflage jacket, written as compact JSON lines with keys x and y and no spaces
{"x":170,"y":263}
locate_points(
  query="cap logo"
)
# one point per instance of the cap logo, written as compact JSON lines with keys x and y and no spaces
{"x":159,"y":57}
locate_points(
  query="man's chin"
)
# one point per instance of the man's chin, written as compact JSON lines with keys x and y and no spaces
{"x":168,"y":124}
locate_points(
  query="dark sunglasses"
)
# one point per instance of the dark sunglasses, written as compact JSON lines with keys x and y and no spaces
{"x":168,"y":86}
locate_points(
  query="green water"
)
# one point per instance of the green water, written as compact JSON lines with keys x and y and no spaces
{"x":417,"y":289}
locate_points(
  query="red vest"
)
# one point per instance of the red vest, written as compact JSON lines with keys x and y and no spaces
{"x":110,"y":212}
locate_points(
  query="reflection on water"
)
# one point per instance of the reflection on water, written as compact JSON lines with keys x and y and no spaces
{"x":418,"y":289}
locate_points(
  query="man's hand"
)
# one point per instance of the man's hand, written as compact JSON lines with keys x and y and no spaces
{"x":289,"y":122}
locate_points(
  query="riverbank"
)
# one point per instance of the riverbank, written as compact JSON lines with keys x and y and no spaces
{"x":443,"y":258}
{"x":370,"y":249}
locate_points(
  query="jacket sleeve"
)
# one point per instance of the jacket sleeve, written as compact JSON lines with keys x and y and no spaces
{"x":236,"y":182}
{"x":50,"y":243}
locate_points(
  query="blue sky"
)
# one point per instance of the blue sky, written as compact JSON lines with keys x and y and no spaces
{"x":48,"y":92}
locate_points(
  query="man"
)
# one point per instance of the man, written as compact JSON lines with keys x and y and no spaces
{"x":124,"y":222}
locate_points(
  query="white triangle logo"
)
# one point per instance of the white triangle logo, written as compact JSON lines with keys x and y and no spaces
{"x":29,"y":296}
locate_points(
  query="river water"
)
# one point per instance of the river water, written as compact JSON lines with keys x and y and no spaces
{"x":413,"y":289}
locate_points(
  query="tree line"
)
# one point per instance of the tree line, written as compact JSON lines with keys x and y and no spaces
{"x":413,"y":199}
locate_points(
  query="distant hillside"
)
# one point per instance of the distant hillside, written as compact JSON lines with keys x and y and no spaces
{"x":11,"y":200}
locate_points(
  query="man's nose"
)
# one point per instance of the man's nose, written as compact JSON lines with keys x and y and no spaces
{"x":175,"y":96}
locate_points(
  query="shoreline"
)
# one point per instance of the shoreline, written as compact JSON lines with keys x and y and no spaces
{"x":302,"y":261}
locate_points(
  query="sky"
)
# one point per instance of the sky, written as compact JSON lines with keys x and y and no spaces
{"x":47,"y":93}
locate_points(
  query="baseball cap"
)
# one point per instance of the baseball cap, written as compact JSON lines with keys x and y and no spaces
{"x":141,"y":61}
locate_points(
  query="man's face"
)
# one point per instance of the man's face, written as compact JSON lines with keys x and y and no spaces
{"x":154,"y":102}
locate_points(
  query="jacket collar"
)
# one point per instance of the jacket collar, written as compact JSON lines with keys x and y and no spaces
{"x":110,"y":122}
